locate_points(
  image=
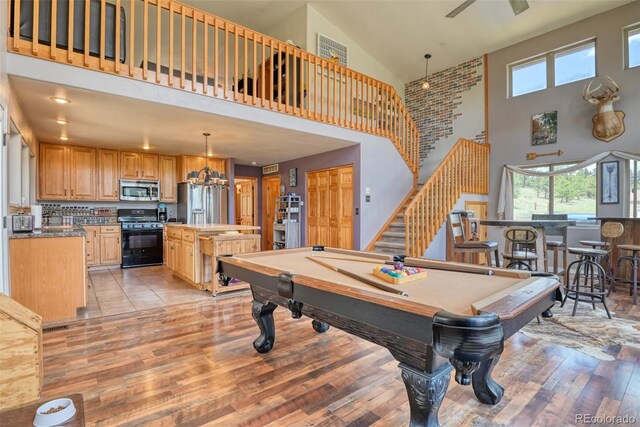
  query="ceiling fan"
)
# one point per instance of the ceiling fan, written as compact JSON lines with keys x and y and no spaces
{"x":518,"y":7}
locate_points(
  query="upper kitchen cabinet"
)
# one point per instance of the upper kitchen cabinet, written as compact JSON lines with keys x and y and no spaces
{"x":108,"y":175}
{"x":138,"y":165}
{"x":67,"y":173}
{"x":168,"y":179}
{"x":187,"y":164}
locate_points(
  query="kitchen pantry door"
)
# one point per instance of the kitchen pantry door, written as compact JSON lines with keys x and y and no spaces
{"x":270,"y":190}
{"x":246,"y":200}
{"x":330,"y":207}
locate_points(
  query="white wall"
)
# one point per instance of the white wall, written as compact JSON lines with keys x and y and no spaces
{"x":293,"y":27}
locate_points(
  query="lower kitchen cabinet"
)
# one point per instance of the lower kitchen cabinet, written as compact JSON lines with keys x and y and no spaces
{"x":103,"y":245}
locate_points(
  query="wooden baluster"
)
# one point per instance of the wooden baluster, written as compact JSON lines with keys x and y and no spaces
{"x":158,"y":41}
{"x":70,"y":33}
{"x":226,"y":60}
{"x":272,"y":62}
{"x":132,"y":20}
{"x":194,"y":47}
{"x":315,"y":88}
{"x":171,"y":42}
{"x":116,"y":65}
{"x":254,"y":81}
{"x":307,"y":88}
{"x":235,"y":63}
{"x":263,"y":76}
{"x":278,"y":77}
{"x":35,"y":28}
{"x":54,"y":31}
{"x":296,"y":95}
{"x":341,"y":83}
{"x":322,"y":117}
{"x":16,"y":24}
{"x":245,"y":67}
{"x":335,"y":94}
{"x":216,"y":40}
{"x":349,"y":96}
{"x":287,"y":78}
{"x":145,"y":40}
{"x":183,"y":47}
{"x":205,"y":54}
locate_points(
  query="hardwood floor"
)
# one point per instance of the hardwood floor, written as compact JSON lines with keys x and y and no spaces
{"x":193,"y":364}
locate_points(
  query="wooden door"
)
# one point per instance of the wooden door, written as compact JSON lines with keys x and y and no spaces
{"x":53,"y":172}
{"x":129,"y":165}
{"x":270,"y":190}
{"x":330,"y":207}
{"x":149,"y":166}
{"x":168,"y":179}
{"x":481,"y":210}
{"x":110,"y":250}
{"x":188,"y":261}
{"x":93,"y":244}
{"x":108,"y":175}
{"x":82,"y":173}
{"x":245,"y":196}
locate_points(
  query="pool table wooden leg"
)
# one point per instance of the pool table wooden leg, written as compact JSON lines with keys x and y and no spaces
{"x":426,"y":392}
{"x":486,"y":389}
{"x":263,"y":315}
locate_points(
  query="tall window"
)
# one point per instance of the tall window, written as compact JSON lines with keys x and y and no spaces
{"x":632,"y":46}
{"x":573,"y":193}
{"x":634,"y":189}
{"x":559,"y":67}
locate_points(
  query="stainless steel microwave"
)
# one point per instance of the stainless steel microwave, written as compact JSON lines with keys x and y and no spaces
{"x":139,"y":191}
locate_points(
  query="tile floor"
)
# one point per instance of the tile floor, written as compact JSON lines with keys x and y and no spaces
{"x":118,"y":291}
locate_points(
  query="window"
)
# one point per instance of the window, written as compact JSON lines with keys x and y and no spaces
{"x":573,"y":193}
{"x":634,"y":189}
{"x":575,"y":64}
{"x":559,"y":67}
{"x":632,"y":46}
{"x":21,"y":164}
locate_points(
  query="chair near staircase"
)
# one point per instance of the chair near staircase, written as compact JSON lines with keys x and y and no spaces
{"x":463,"y":246}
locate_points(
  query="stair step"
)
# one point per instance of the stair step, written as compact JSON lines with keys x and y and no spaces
{"x":395,"y":226}
{"x":390,"y":245}
{"x":393,"y":237}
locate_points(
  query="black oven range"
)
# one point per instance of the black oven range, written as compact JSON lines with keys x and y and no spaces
{"x":141,"y":237}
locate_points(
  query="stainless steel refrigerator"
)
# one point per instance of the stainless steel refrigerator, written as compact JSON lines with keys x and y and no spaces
{"x":202,"y":203}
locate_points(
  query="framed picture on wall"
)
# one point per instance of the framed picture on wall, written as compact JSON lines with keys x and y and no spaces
{"x":544,"y":128}
{"x":293,"y":177}
{"x":610,"y":182}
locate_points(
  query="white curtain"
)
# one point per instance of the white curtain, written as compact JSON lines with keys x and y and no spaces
{"x":505,"y":198}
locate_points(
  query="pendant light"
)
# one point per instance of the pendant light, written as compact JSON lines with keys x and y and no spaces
{"x":210,"y":176}
{"x":425,"y":84}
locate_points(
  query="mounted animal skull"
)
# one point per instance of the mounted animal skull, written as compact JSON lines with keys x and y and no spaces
{"x":608,"y":124}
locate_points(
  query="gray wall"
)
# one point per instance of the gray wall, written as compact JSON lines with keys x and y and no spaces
{"x":510,"y":118}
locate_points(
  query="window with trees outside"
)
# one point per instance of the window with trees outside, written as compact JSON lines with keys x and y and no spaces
{"x":573,"y":193}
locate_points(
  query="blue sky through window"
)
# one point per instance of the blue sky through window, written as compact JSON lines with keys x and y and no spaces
{"x":529,"y":77}
{"x":634,"y":48}
{"x":575,"y":64}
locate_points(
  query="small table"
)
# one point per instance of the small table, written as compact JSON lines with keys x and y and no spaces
{"x":409,"y":326}
{"x":539,"y":225}
{"x":24,"y":416}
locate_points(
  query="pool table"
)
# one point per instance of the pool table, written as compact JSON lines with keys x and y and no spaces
{"x":457,"y":317}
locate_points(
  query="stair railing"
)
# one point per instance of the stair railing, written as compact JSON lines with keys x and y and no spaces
{"x":175,"y":45}
{"x":464,"y":170}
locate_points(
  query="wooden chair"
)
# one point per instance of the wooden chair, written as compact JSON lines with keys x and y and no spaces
{"x":463,"y":246}
{"x":519,"y":247}
{"x":556,"y":246}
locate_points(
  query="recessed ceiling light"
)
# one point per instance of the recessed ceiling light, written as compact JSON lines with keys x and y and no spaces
{"x":254,"y":163}
{"x":60,"y":100}
{"x":64,"y":138}
{"x":146,"y":147}
{"x":62,"y":121}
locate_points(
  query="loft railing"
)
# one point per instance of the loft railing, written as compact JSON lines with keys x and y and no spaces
{"x":464,"y":170}
{"x":175,"y":45}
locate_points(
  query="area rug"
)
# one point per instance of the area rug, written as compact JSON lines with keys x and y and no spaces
{"x":589,"y":332}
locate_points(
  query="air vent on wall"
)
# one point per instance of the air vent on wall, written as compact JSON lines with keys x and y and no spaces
{"x":331,"y":49}
{"x":269,"y":169}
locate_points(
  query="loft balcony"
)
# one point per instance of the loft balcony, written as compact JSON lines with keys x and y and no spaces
{"x":173,"y":45}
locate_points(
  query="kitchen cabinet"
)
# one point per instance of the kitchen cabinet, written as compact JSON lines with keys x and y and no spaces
{"x":110,"y":249}
{"x":188,"y":265}
{"x":168,"y":179}
{"x":67,"y":173}
{"x":93,"y":245}
{"x":138,"y":165}
{"x":82,"y":173}
{"x":187,"y":164}
{"x":108,"y":175}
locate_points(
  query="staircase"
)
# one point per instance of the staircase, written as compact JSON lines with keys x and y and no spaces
{"x":464,"y":170}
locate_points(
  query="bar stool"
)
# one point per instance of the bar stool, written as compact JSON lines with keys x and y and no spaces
{"x":556,"y":246}
{"x":634,"y":260}
{"x":519,"y":244}
{"x":463,"y":246}
{"x":588,"y":270}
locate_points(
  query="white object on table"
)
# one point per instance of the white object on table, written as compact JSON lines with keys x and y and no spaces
{"x":36,"y":211}
{"x":43,"y":419}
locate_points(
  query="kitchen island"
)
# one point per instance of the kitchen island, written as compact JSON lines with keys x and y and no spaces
{"x":191,"y":248}
{"x":47,"y":271}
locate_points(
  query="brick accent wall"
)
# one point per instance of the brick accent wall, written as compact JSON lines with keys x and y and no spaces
{"x":435,"y":110}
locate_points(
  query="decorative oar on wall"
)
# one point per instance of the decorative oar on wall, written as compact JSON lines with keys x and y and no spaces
{"x":533,"y":156}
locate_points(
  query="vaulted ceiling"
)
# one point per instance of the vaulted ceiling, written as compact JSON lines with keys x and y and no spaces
{"x":398,"y":33}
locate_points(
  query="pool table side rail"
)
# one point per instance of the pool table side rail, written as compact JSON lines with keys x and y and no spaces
{"x":519,"y":300}
{"x":467,"y":268}
{"x":388,"y":300}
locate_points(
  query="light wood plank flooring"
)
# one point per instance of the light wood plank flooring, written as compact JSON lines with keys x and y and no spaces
{"x":193,"y":364}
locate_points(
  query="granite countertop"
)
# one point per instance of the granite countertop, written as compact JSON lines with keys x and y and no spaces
{"x":51,"y":232}
{"x":213,"y":228}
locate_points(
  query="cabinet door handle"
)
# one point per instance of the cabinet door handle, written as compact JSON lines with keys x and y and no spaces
{"x":72,"y":191}
{"x":115,"y":193}
{"x":65,"y":191}
{"x":142,"y":174}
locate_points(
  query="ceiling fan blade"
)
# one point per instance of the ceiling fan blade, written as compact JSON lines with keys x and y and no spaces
{"x":518,"y":6}
{"x":460,"y":8}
